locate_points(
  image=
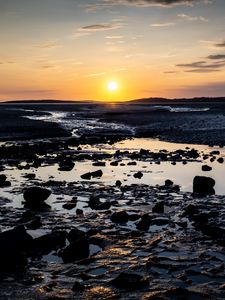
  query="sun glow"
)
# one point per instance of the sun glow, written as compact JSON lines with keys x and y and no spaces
{"x":112,"y":86}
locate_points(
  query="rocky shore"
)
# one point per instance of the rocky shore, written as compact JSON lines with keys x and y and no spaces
{"x":84,"y":239}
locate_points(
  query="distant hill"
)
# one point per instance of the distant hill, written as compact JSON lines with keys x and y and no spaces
{"x":178,"y":100}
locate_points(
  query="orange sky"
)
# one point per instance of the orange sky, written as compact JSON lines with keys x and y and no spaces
{"x":57,"y":49}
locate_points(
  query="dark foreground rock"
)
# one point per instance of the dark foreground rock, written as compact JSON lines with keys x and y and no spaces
{"x":203,"y":185}
{"x":35,"y":196}
{"x":14,"y":247}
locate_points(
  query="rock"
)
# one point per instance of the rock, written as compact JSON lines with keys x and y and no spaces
{"x":30,"y":176}
{"x":86,"y":176}
{"x":96,"y":174}
{"x":203,"y":185}
{"x":132,"y":163}
{"x":206,"y":168}
{"x":120,"y":217}
{"x":99,"y":164}
{"x":220,"y":160}
{"x":114,"y":163}
{"x":35,"y":196}
{"x":168,"y":183}
{"x":130,"y":281}
{"x":70,"y":205}
{"x":77,"y":250}
{"x":45,"y":244}
{"x":138,"y":175}
{"x":158,"y":208}
{"x":75,"y":235}
{"x":15,"y":245}
{"x":95,"y":203}
{"x":118,"y":183}
{"x":78,"y":286}
{"x":34,"y":224}
{"x":79,"y":212}
{"x":3,"y":181}
{"x":89,"y":175}
{"x":66,"y":165}
{"x":213,"y":231}
{"x":144,"y":223}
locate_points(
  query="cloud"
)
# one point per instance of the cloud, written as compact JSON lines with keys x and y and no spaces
{"x":191,"y":18}
{"x":96,"y":74}
{"x":114,"y":37}
{"x":163,"y":24}
{"x":203,"y":66}
{"x":100,"y":27}
{"x":46,"y":45}
{"x":220,"y":45}
{"x":146,"y":3}
{"x":216,"y":56}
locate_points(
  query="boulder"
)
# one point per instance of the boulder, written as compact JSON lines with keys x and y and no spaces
{"x":95,"y":203}
{"x":45,"y":244}
{"x":138,"y":175}
{"x":3,"y":181}
{"x":206,"y":168}
{"x":35,"y":196}
{"x":77,"y":250}
{"x":203,"y":185}
{"x":168,"y":183}
{"x":14,"y":249}
{"x":120,"y":217}
{"x":66,"y":165}
{"x":158,"y":208}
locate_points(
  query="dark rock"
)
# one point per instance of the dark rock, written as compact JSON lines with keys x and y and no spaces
{"x":95,"y":203}
{"x":3,"y":181}
{"x":120,"y":217}
{"x":168,"y":182}
{"x":118,"y":183}
{"x":48,"y":242}
{"x":30,"y":176}
{"x":76,"y":251}
{"x":130,"y":281}
{"x":191,"y":210}
{"x":89,"y":175}
{"x":138,"y":175}
{"x":75,"y":235}
{"x":99,"y":164}
{"x":206,"y":168}
{"x":79,"y":212}
{"x":78,"y":286}
{"x":132,"y":163}
{"x":213,"y":231}
{"x":66,"y":165}
{"x":114,"y":163}
{"x":203,"y":185}
{"x":96,"y":174}
{"x":220,"y":160}
{"x":144,"y":223}
{"x":69,"y":205}
{"x":35,"y":196}
{"x":86,"y":176}
{"x":34,"y":224}
{"x":15,"y":245}
{"x":158,"y":208}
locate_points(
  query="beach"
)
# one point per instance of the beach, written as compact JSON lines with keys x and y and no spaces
{"x":112,"y":201}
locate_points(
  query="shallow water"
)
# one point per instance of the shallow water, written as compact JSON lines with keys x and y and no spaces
{"x":153,"y":174}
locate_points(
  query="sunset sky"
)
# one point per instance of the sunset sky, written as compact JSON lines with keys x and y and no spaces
{"x":72,"y":49}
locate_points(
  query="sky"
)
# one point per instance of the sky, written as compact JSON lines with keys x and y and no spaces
{"x":73,"y":49}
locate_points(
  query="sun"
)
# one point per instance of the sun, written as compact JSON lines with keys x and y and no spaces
{"x":112,"y":86}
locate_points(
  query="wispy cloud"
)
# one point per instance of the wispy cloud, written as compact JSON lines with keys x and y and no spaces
{"x":100,"y":27}
{"x":220,"y":44}
{"x":96,"y":74}
{"x":192,"y":18}
{"x":203,"y":66}
{"x":46,"y":45}
{"x":163,"y":24}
